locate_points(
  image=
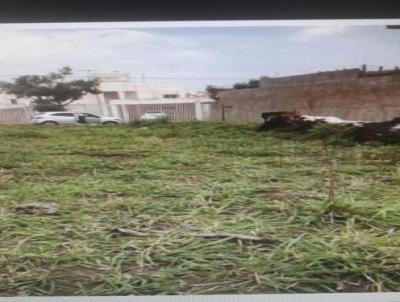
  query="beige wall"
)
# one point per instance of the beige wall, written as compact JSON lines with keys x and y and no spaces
{"x":15,"y":115}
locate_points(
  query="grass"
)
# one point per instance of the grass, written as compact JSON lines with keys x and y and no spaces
{"x":174,"y":179}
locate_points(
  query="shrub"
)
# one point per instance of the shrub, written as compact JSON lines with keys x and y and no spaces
{"x":141,"y":123}
{"x":332,"y":133}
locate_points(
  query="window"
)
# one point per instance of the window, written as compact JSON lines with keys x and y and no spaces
{"x":63,"y":114}
{"x":111,"y":95}
{"x":170,"y":96}
{"x":92,"y":115}
{"x":130,"y":95}
{"x":14,"y":102}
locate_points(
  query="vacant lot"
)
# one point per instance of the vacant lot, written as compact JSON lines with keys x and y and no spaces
{"x":325,"y":227}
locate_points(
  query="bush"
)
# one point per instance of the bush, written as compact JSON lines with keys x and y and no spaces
{"x":142,"y":123}
{"x":332,"y":133}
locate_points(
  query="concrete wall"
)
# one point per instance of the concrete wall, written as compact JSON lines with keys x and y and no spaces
{"x":367,"y":98}
{"x":15,"y":115}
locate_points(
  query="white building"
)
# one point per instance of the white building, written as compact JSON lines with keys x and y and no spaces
{"x":13,"y":110}
{"x":123,"y":98}
{"x":9,"y":101}
{"x":128,"y":100}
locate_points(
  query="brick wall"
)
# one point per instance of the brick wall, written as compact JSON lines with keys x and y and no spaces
{"x":313,"y":78}
{"x":362,"y":97}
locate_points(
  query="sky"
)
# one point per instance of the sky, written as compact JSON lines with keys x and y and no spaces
{"x":195,"y":57}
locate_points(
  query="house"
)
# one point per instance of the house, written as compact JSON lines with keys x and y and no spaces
{"x":121,"y":97}
{"x":128,"y":100}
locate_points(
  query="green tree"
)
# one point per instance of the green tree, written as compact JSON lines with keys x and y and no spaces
{"x":240,"y":86}
{"x":253,"y":83}
{"x":250,"y":84}
{"x":213,"y":91}
{"x":51,"y":92}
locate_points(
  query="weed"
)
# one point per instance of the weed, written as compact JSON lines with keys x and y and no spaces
{"x":334,"y":232}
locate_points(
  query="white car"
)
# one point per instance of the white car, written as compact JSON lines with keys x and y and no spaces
{"x":153,"y":115}
{"x":65,"y":118}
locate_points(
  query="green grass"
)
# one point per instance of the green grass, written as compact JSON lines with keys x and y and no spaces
{"x":174,"y":179}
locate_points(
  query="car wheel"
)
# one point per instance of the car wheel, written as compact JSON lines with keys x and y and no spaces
{"x":49,"y":123}
{"x":110,"y":123}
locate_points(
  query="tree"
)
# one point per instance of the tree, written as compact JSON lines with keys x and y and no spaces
{"x":240,"y":86}
{"x":253,"y":83}
{"x":250,"y":84}
{"x":213,"y":91}
{"x":51,"y":92}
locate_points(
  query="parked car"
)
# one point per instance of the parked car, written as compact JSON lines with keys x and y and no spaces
{"x":153,"y":115}
{"x":63,"y":117}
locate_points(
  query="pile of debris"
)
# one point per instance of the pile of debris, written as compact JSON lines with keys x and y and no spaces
{"x":385,"y":132}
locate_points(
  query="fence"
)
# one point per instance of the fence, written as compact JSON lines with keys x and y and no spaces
{"x":176,"y":112}
{"x":15,"y":115}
